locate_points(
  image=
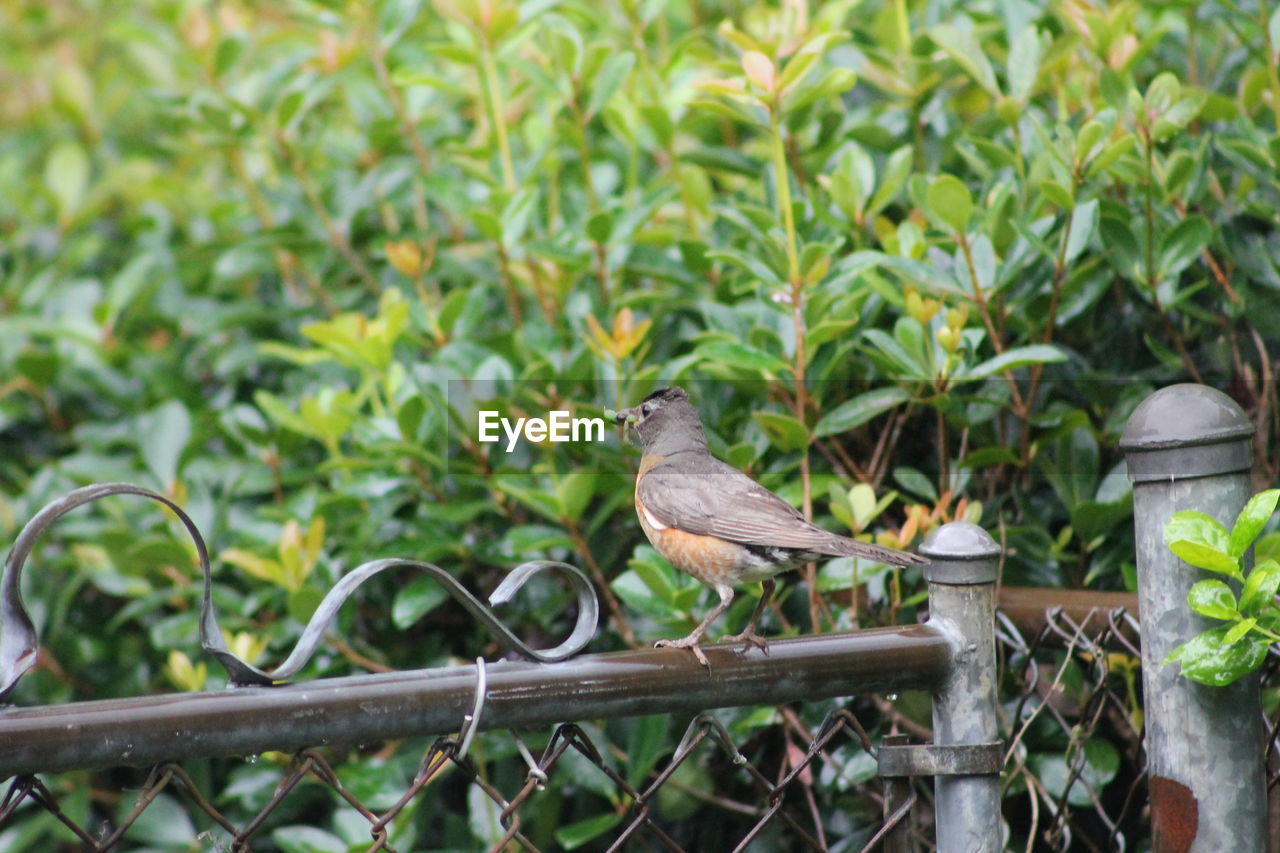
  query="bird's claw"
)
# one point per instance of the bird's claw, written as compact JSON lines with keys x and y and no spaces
{"x":751,"y":638}
{"x":690,"y":643}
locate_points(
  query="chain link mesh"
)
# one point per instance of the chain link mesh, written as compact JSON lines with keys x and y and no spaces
{"x":1074,"y":776}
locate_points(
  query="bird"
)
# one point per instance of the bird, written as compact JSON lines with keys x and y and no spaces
{"x":713,"y":522}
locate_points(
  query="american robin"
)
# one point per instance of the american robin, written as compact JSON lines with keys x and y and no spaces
{"x":710,"y":520}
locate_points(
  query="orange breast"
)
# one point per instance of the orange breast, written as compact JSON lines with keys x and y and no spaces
{"x":709,"y":559}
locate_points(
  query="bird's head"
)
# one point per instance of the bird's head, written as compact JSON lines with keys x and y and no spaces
{"x":665,"y":421}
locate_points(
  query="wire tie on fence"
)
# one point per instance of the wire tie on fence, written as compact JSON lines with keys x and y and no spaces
{"x":469,"y":721}
{"x":535,"y":772}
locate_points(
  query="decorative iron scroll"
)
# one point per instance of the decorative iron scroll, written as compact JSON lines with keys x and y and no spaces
{"x":19,"y":643}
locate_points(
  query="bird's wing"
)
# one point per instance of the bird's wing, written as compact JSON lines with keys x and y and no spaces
{"x":717,"y":500}
{"x":706,"y":496}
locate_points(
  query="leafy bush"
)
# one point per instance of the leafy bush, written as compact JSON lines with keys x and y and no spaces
{"x":913,"y":261}
{"x":1223,"y":654}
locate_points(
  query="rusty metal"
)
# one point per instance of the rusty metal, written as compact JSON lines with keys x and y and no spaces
{"x":1175,"y":816}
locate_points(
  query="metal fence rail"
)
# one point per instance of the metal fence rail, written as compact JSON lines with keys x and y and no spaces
{"x":952,"y":657}
{"x":508,"y":694}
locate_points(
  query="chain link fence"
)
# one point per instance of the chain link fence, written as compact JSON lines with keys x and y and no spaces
{"x":1073,"y":777}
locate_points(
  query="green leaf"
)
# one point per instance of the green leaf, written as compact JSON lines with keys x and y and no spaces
{"x":1025,"y":55}
{"x":575,"y":492}
{"x":1111,"y":152}
{"x":853,"y":413}
{"x":416,"y":599}
{"x":600,"y":226}
{"x":784,"y":431}
{"x":307,"y":839}
{"x":1197,"y":528}
{"x":1072,"y":468}
{"x":1260,"y":587}
{"x":646,"y":743}
{"x":1077,"y":775}
{"x":574,"y":835}
{"x":798,"y":67}
{"x":963,"y":47}
{"x":863,"y":504}
{"x":722,"y":158}
{"x":1092,"y":519}
{"x":1163,"y":92}
{"x":1121,"y":243}
{"x":1088,"y":137}
{"x":832,"y":81}
{"x":853,"y":180}
{"x":487,"y":224}
{"x":229,"y":51}
{"x":1179,"y":115}
{"x":1014,"y":358}
{"x":1207,"y":658}
{"x":1204,"y":557}
{"x":986,"y":457}
{"x":825,"y":331}
{"x":739,"y":355}
{"x":914,"y":481}
{"x":1249,"y":523}
{"x":278,"y":411}
{"x":897,"y":360}
{"x":163,"y":434}
{"x":516,"y":216}
{"x":949,"y":202}
{"x":163,"y":825}
{"x":1084,"y":221}
{"x":749,"y":263}
{"x":1238,"y":630}
{"x":613,"y":71}
{"x":1214,"y":599}
{"x":896,"y":170}
{"x":66,"y":174}
{"x":1057,"y":194}
{"x":1183,"y":244}
{"x":548,"y":506}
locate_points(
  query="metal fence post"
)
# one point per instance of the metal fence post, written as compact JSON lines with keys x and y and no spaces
{"x":1188,"y":447}
{"x":962,"y":575}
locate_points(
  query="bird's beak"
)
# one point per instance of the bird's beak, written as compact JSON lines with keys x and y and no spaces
{"x":625,"y":416}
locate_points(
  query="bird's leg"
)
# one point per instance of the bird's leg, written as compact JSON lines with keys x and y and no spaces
{"x":691,"y":641}
{"x":749,"y":635}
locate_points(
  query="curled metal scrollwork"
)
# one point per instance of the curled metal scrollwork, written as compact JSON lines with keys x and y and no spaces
{"x":19,"y":643}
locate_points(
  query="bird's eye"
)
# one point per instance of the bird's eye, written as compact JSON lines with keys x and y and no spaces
{"x":645,"y":410}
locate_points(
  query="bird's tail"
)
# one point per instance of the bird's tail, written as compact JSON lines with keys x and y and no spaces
{"x":843,"y":546}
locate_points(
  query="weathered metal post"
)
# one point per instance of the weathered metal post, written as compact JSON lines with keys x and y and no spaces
{"x":1188,"y":448}
{"x":962,"y":576}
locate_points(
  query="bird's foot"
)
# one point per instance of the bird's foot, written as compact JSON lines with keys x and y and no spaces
{"x":750,"y":637}
{"x":691,"y":643}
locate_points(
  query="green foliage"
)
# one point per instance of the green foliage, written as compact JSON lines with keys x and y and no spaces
{"x":915,"y":262}
{"x":1223,"y":654}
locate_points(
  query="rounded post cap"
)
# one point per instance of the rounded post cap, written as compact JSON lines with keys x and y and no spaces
{"x":1184,"y":431}
{"x":961,"y":553}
